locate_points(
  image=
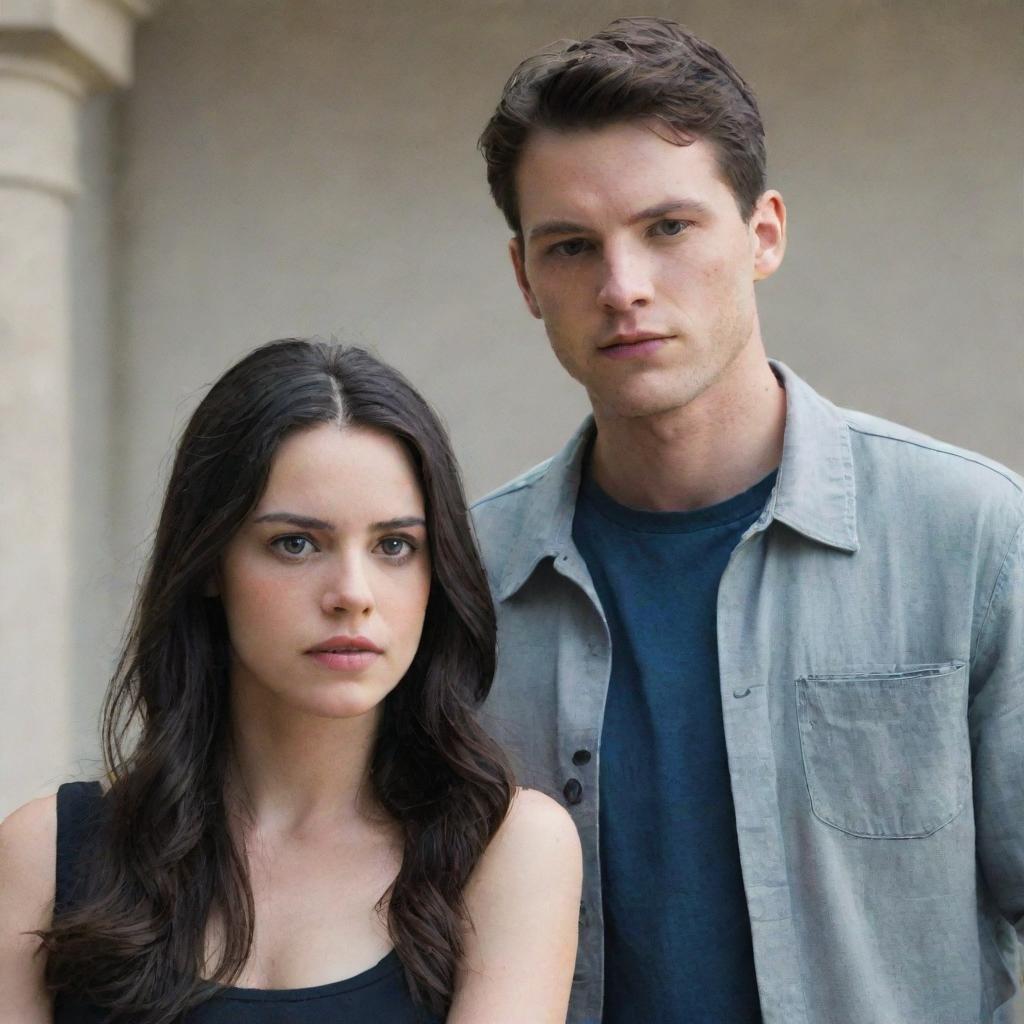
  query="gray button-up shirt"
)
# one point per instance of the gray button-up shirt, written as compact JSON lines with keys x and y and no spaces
{"x":871,"y":653}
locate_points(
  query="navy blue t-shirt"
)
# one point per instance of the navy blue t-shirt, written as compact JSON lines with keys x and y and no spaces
{"x":677,"y":932}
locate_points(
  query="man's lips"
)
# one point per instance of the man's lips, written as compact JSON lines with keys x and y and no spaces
{"x":631,"y":345}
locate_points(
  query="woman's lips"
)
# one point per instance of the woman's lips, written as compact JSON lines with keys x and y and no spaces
{"x":345,"y":652}
{"x":344,"y":661}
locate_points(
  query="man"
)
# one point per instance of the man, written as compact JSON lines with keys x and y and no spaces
{"x":769,"y":652}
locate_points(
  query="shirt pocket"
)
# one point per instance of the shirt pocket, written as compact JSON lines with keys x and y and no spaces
{"x":886,"y":754}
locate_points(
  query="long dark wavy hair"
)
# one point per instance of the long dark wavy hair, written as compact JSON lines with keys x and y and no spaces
{"x":167,"y":860}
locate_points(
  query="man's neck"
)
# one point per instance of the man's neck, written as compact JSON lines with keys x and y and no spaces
{"x":717,"y":446}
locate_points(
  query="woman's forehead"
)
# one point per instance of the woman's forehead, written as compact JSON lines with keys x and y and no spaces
{"x":341,"y":472}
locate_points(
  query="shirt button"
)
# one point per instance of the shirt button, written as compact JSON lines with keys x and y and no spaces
{"x":573,"y":791}
{"x":581,"y":757}
{"x":739,"y":694}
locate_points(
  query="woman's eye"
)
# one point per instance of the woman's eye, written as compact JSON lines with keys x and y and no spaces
{"x":293,"y":546}
{"x":395,"y":547}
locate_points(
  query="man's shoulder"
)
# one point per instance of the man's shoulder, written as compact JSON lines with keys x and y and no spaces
{"x":887,"y":440}
{"x":923,"y":468}
{"x":498,"y":517}
{"x":510,"y":497}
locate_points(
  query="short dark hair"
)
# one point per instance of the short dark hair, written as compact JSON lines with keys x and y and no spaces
{"x":635,"y":68}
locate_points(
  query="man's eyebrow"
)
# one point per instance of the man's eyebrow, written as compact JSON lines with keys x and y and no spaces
{"x":555,"y":227}
{"x":684,"y":205}
{"x":568,"y":227}
{"x":310,"y":523}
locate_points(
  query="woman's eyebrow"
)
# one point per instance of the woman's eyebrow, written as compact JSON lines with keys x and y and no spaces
{"x":294,"y":519}
{"x":403,"y":522}
{"x":310,"y":523}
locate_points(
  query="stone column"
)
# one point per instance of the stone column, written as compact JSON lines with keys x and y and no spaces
{"x":52,"y":55}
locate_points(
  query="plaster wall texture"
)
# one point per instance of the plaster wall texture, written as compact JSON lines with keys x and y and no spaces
{"x":51,"y":57}
{"x":38,"y":105}
{"x":34,"y":548}
{"x":311,"y":168}
{"x":101,"y":589}
{"x":60,"y":614}
{"x":288,"y":169}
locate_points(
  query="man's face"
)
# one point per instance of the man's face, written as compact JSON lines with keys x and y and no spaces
{"x":636,"y":257}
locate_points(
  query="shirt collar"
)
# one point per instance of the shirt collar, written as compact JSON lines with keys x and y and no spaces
{"x":546,"y":529}
{"x":814,"y":492}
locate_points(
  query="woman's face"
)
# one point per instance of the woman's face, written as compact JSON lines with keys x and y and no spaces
{"x":325,"y":585}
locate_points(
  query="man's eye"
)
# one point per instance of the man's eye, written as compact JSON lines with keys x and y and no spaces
{"x":670,"y":227}
{"x":395,"y":547}
{"x":570,"y":247}
{"x":294,"y":546}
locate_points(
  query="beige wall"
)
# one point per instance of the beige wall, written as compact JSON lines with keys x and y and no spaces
{"x":52,"y":57}
{"x":292,"y":168}
{"x":101,"y":587}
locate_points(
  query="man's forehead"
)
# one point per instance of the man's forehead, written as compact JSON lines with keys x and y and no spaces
{"x":623,"y":168}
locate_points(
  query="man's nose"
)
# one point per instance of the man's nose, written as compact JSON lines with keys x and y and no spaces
{"x":627,"y":281}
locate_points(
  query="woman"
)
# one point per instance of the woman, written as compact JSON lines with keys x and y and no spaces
{"x":309,"y":825}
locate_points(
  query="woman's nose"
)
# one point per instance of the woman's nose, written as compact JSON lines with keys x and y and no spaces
{"x":347,"y":588}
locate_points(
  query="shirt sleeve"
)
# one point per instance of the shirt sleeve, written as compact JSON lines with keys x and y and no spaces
{"x":996,"y":719}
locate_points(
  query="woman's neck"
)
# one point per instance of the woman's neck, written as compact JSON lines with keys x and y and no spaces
{"x":293,"y":772}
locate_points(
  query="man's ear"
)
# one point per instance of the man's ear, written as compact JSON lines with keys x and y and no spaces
{"x":768,"y":225}
{"x":516,"y":252}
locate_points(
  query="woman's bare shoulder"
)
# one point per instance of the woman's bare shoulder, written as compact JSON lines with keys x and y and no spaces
{"x":523,"y":902}
{"x":537,"y":821}
{"x":28,"y":856}
{"x":536,"y":848}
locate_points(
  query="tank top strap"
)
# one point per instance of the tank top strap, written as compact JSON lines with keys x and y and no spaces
{"x":79,"y":812}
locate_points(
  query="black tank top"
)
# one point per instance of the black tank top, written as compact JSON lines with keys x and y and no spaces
{"x":376,"y":996}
